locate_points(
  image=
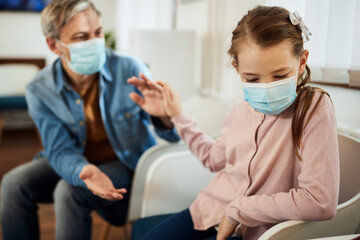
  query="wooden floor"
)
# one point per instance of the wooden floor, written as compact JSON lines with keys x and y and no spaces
{"x":19,"y":146}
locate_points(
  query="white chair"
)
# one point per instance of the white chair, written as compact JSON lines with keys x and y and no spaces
{"x":345,"y":222}
{"x":347,"y":219}
{"x":167,"y":179}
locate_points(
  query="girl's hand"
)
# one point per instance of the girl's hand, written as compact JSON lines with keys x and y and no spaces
{"x":100,"y":184}
{"x":172,"y":102}
{"x":226,"y":229}
{"x":152,"y":103}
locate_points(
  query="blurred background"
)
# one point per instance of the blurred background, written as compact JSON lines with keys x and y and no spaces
{"x":184,"y":42}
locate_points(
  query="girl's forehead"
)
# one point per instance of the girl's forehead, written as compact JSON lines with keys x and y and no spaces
{"x":255,"y":58}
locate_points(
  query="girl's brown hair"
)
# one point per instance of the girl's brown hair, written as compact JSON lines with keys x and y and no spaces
{"x":269,"y":26}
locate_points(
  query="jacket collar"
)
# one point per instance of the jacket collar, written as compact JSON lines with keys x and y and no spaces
{"x":60,"y":76}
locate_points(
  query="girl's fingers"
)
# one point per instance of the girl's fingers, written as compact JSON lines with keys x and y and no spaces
{"x":169,"y":93}
{"x":161,"y":83}
{"x":136,"y":82}
{"x":137,"y":98}
{"x":146,"y":79}
{"x":166,"y":95}
{"x":151,"y":84}
{"x":155,"y":85}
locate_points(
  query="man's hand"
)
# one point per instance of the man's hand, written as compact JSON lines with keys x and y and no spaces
{"x":226,"y":229}
{"x":152,"y":103}
{"x":100,"y":184}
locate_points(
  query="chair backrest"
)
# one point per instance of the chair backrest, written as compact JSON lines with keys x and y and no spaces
{"x":16,"y":73}
{"x":345,"y":222}
{"x":167,"y":179}
{"x":347,"y":218}
{"x":349,"y":150}
{"x":209,"y":110}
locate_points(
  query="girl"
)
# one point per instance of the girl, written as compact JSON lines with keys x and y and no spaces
{"x":277,"y":158}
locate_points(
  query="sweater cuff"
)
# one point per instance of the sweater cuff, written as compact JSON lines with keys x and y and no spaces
{"x":178,"y":118}
{"x":228,"y":213}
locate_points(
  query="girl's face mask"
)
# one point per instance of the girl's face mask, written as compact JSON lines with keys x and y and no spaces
{"x":271,"y":98}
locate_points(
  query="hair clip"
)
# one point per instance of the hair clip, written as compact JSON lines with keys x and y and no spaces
{"x":298,"y":21}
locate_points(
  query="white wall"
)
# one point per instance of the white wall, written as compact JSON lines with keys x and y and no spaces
{"x":214,"y":21}
{"x":21,"y":36}
{"x":346,"y":104}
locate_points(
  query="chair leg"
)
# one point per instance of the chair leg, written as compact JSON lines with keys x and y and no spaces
{"x":105,"y":231}
{"x":126,"y":232}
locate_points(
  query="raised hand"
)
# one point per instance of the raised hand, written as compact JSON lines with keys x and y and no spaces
{"x":100,"y":184}
{"x":152,"y":103}
{"x":172,"y":103}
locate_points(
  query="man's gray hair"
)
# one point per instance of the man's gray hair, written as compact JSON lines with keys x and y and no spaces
{"x":58,"y":13}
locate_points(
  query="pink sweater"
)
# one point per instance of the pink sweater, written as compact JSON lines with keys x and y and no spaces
{"x":260,"y":181}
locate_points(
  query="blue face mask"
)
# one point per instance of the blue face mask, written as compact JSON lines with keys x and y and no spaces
{"x":271,"y":98}
{"x":87,"y":57}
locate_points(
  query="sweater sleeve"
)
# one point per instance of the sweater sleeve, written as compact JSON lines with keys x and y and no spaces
{"x":210,"y":152}
{"x":317,"y":195}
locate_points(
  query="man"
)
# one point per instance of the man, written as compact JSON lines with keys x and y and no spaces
{"x":92,"y":132}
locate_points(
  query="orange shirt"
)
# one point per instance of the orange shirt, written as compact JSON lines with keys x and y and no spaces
{"x":98,"y":148}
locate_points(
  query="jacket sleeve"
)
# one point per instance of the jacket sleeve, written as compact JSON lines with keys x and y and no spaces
{"x":60,"y":148}
{"x":211,"y":153}
{"x":317,"y":195}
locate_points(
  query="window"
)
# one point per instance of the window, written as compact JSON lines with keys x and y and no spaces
{"x":334,"y":45}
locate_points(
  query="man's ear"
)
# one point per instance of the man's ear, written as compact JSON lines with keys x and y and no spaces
{"x":53,"y":46}
{"x":303,"y":61}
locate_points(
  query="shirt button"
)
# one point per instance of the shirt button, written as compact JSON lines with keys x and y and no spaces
{"x":81,"y":123}
{"x":78,"y":101}
{"x":127,"y":115}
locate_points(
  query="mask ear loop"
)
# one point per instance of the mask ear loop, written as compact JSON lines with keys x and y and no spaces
{"x":62,"y":55}
{"x":297,"y":71}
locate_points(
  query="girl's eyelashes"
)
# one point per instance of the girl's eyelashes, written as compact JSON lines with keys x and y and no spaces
{"x":252,"y":80}
{"x":276,"y":77}
{"x":280,"y":77}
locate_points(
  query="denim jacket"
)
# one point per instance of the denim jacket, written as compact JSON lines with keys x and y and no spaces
{"x":57,"y":110}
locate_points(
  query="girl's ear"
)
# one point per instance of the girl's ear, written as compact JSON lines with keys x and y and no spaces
{"x":235,"y":66}
{"x":303,"y":61}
